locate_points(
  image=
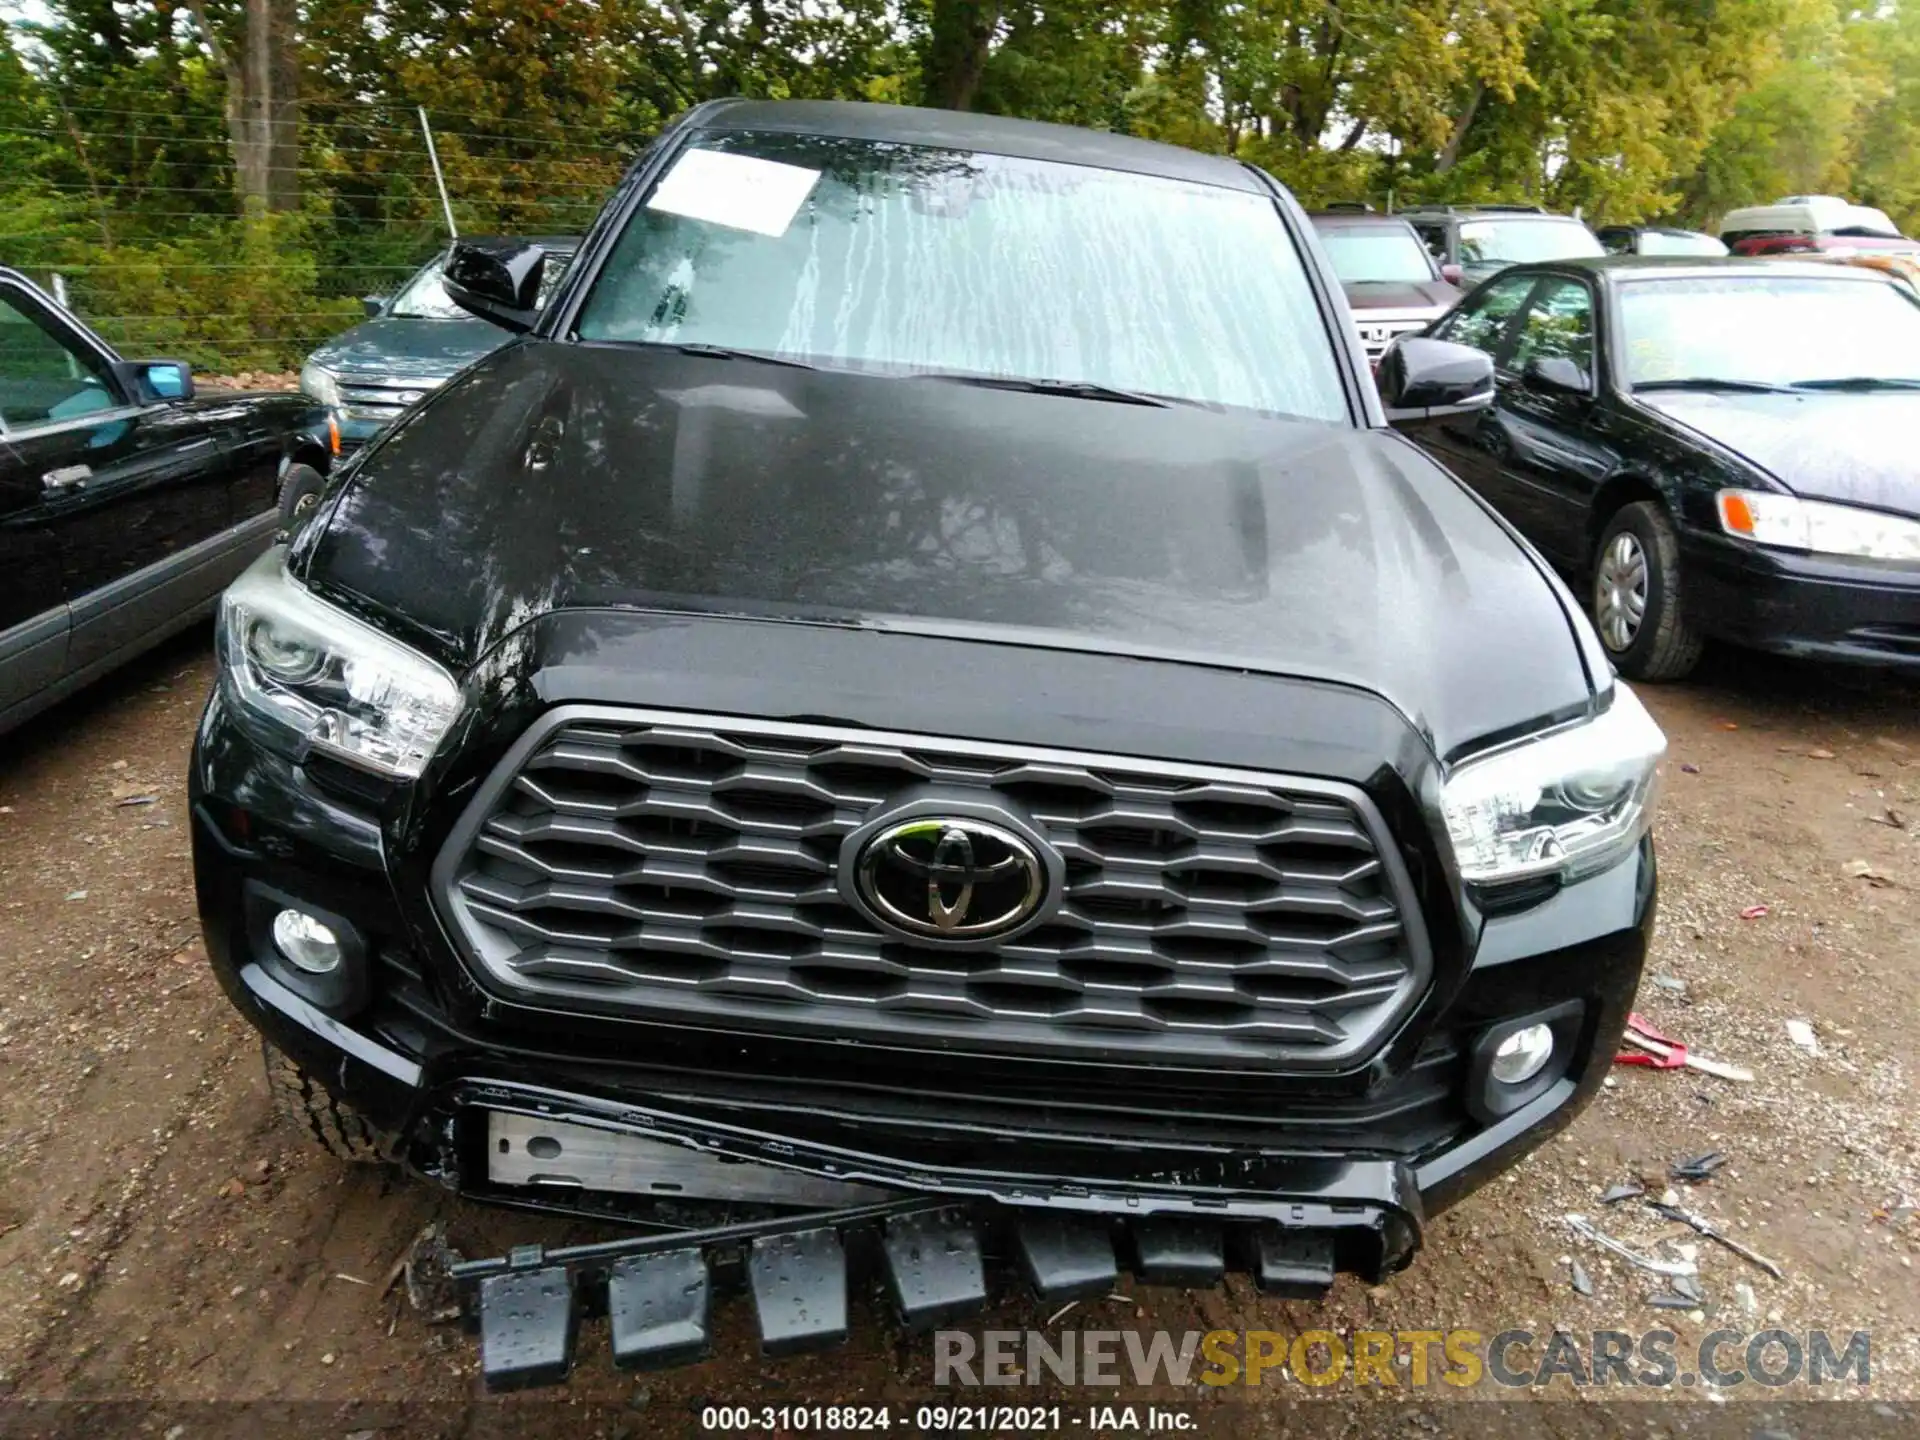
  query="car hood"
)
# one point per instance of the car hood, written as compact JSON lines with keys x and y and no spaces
{"x":556,"y":476}
{"x":403,"y":349}
{"x":1368,"y":295}
{"x":1855,"y":449}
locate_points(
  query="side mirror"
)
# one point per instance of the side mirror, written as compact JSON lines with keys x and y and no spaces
{"x":152,"y":381}
{"x":1422,"y":380}
{"x":1556,"y":372}
{"x":497,"y":280}
{"x":1452,"y":274}
{"x":374,"y":305}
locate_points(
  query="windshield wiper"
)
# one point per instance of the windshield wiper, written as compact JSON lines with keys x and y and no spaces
{"x":1859,"y":382}
{"x":1074,"y":389}
{"x":1709,"y":382}
{"x":730,"y":352}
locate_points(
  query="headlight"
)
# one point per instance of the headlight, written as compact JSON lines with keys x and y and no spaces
{"x":320,"y":383}
{"x":1815,"y":526}
{"x":332,"y":683}
{"x":1568,"y":805}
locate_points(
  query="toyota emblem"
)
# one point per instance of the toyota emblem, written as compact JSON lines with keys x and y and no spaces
{"x":945,"y":877}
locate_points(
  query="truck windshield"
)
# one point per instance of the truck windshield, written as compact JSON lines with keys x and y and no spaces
{"x":904,"y":259}
{"x":1516,"y":242}
{"x":1384,"y":255}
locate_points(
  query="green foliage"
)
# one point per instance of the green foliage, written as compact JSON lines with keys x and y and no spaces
{"x":116,"y":168}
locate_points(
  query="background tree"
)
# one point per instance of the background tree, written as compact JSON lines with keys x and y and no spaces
{"x":222,"y":178}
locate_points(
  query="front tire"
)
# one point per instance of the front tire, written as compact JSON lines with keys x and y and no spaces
{"x":310,"y":1108}
{"x":1637,"y":596}
{"x":299,"y":494}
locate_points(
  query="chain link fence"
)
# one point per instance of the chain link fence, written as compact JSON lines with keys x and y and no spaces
{"x":149,"y":245}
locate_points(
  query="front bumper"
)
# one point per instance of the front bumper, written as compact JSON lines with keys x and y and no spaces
{"x":1816,"y":607}
{"x":1292,"y":1178}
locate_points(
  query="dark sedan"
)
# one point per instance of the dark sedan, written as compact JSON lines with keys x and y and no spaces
{"x":127,"y":502}
{"x":1725,"y":449}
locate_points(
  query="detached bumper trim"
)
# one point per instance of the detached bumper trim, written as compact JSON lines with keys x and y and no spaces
{"x":270,"y":991}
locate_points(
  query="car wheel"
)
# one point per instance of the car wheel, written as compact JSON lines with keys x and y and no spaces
{"x":1637,"y":596}
{"x":299,"y":493}
{"x":310,"y":1108}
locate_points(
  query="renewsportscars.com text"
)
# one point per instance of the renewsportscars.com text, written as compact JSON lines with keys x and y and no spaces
{"x":1413,"y":1359}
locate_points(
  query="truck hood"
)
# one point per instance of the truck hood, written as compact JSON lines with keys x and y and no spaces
{"x":1367,"y":296}
{"x":1855,"y":449}
{"x":555,"y":476}
{"x":397,"y":348}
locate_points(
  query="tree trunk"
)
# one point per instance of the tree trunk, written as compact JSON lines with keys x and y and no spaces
{"x":263,"y":102}
{"x":1450,"y":152}
{"x":957,"y":51}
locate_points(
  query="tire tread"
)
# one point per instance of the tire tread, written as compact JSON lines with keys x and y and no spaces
{"x":311,"y":1108}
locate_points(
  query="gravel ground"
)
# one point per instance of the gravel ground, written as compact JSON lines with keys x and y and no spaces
{"x":164,"y":1242}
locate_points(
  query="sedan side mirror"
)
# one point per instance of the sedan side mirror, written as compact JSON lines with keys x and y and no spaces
{"x":1556,"y":372}
{"x":155,"y":381}
{"x":374,"y":305}
{"x":497,"y":280}
{"x":1452,"y":273}
{"x":1422,"y":380}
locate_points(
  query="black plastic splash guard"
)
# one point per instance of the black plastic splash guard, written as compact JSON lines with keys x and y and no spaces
{"x":931,"y":1252}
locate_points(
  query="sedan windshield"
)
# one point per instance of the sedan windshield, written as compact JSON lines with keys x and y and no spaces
{"x":1516,"y":242}
{"x":905,"y":260}
{"x":1762,"y":330}
{"x":1392,"y":256}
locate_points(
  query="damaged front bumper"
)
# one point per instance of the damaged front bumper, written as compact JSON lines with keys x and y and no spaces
{"x":927,"y":1237}
{"x":937,"y":1178}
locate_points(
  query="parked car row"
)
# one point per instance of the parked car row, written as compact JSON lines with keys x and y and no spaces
{"x":1714,"y":450}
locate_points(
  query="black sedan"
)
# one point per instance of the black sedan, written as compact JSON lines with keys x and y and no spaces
{"x":1724,"y":449}
{"x":126,"y":501}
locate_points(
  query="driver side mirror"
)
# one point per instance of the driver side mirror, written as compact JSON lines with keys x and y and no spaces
{"x":1452,"y":274}
{"x":154,"y":381}
{"x":1556,"y":372}
{"x":373,"y":305}
{"x":1423,"y":380}
{"x":497,"y":280}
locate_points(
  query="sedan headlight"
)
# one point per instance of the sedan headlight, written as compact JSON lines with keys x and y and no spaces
{"x":1815,"y":526}
{"x":329,"y":682}
{"x":1568,"y":804}
{"x":320,"y":384}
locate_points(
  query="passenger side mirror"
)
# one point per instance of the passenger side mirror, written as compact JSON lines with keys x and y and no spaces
{"x":1422,"y":380}
{"x":1453,"y":274}
{"x":499,"y":281}
{"x":154,"y":381}
{"x":374,"y":305}
{"x":1556,"y":372}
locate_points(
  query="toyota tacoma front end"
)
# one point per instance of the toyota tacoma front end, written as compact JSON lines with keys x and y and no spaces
{"x":902,"y":720}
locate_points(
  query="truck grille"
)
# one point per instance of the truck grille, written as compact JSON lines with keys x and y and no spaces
{"x":683,"y":868}
{"x":382,"y":401}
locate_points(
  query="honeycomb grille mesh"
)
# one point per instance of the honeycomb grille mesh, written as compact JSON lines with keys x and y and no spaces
{"x":686,"y":869}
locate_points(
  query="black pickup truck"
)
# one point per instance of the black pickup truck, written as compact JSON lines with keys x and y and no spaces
{"x":919,"y":717}
{"x":127,"y":502}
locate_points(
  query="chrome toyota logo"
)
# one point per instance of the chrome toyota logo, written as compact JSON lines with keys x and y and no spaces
{"x":951,"y":878}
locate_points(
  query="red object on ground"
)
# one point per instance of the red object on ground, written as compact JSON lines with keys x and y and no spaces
{"x":1656,"y":1050}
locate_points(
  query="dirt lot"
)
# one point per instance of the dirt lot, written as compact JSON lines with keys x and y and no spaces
{"x":162,"y":1240}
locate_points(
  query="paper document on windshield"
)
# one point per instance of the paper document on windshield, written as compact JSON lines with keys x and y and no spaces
{"x":738,"y":191}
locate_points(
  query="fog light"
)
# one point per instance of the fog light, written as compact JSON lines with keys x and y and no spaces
{"x":1521,"y":1055}
{"x":310,"y":946}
